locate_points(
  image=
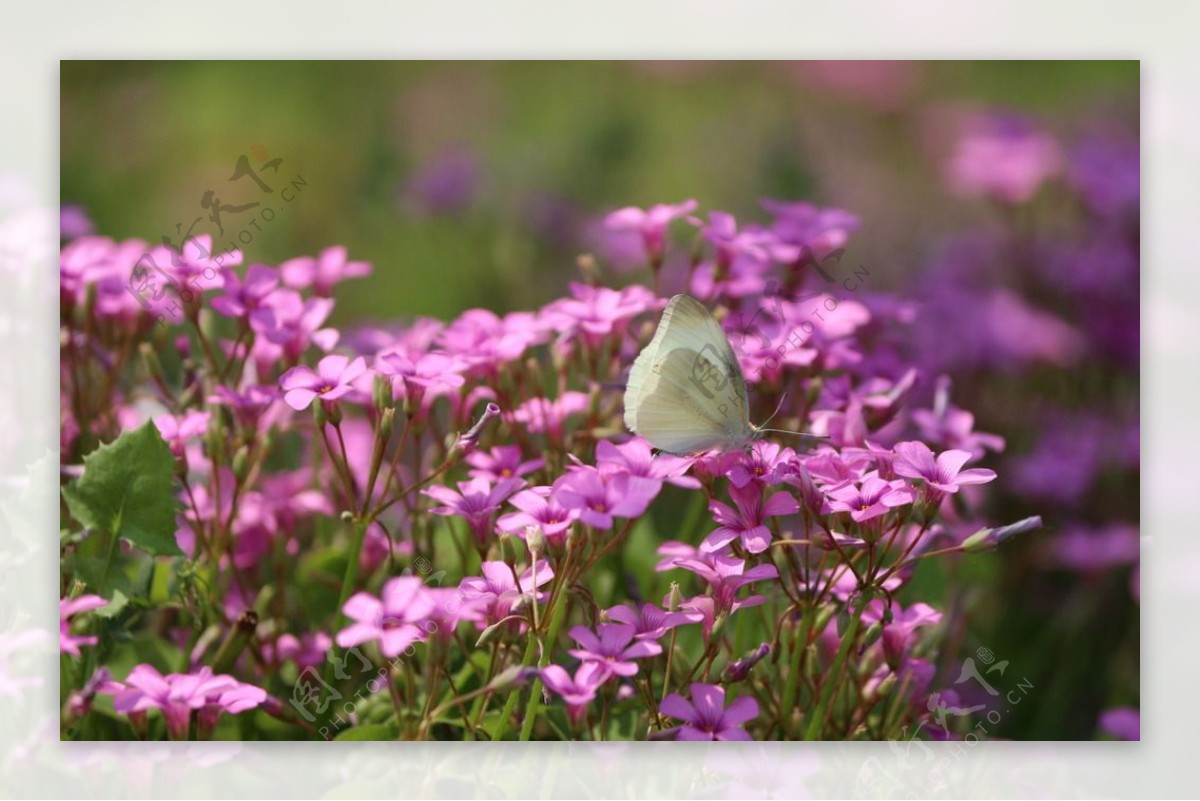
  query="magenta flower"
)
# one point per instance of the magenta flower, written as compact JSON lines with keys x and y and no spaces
{"x":177,"y":694}
{"x":497,"y":590}
{"x":178,"y":431}
{"x":651,"y":622}
{"x":333,"y":379}
{"x":612,"y":647}
{"x":476,"y":501}
{"x":706,"y":717}
{"x":239,"y":297}
{"x":635,"y":458}
{"x":870,"y":498}
{"x":599,"y":498}
{"x":502,"y":461}
{"x":595,"y":312}
{"x":748,"y":522}
{"x":650,"y":223}
{"x":487,"y":341}
{"x":288,"y":324}
{"x":818,"y":230}
{"x":900,"y":635}
{"x":765,"y":463}
{"x":307,"y":650}
{"x":538,"y":508}
{"x":725,"y":575}
{"x":578,"y":691}
{"x":944,"y":474}
{"x":542,"y":415}
{"x":324,"y":272}
{"x":395,"y":619}
{"x":67,"y":607}
{"x":430,"y":374}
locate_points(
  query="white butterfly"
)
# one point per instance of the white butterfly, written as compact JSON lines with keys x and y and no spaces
{"x":686,"y":392}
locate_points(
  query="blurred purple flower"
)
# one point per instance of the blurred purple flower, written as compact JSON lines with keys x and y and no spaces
{"x":239,"y":297}
{"x":1123,"y":723}
{"x":497,"y":590}
{"x":177,"y":694}
{"x":324,"y":272}
{"x":1003,"y":157}
{"x":447,"y":184}
{"x":651,"y":224}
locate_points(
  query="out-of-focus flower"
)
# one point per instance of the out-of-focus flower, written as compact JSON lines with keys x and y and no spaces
{"x":542,"y":415}
{"x":73,"y":222}
{"x":706,"y":717}
{"x":1003,"y":157}
{"x":239,"y":297}
{"x":447,"y":184}
{"x":333,"y":378}
{"x":1123,"y":723}
{"x":423,"y":378}
{"x":613,"y":647}
{"x":502,"y":461}
{"x":595,"y":312}
{"x":307,"y":650}
{"x":636,"y":459}
{"x":67,"y":608}
{"x":1090,"y":550}
{"x":177,"y":694}
{"x":395,"y":619}
{"x":179,"y":432}
{"x":324,"y":272}
{"x":1107,"y":174}
{"x":650,"y":223}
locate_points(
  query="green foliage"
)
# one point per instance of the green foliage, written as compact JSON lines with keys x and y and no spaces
{"x":127,"y":490}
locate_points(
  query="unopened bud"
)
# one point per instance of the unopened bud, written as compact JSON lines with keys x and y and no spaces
{"x":739,"y":669}
{"x":535,"y":539}
{"x":381,"y":393}
{"x":988,"y":539}
{"x":467,"y":442}
{"x":514,"y":676}
{"x":387,"y":421}
{"x":674,"y":597}
{"x":241,"y":463}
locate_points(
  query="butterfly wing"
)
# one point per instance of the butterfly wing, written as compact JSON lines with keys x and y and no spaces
{"x":686,"y":392}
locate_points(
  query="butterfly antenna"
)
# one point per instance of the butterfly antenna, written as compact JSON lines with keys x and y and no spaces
{"x":793,"y":433}
{"x":778,"y":406}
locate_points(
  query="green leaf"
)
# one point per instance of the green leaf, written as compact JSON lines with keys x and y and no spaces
{"x":373,"y":732}
{"x":127,"y":489}
{"x":115,"y":606}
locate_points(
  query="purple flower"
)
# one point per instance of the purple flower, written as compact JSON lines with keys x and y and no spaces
{"x":613,"y":647}
{"x":706,"y":717}
{"x":538,"y":508}
{"x":595,"y":312}
{"x":446,"y":185}
{"x":725,"y":575}
{"x":576,"y":692}
{"x":765,"y":463}
{"x":308,"y":650}
{"x":487,"y":341}
{"x":650,"y":223}
{"x":599,"y":498}
{"x":542,"y":415}
{"x":324,"y":272}
{"x":651,"y":622}
{"x":333,"y":378}
{"x":476,"y":501}
{"x":816,"y":230}
{"x":1092,"y":550}
{"x":943,"y":474}
{"x":177,"y":694}
{"x":748,"y":522}
{"x":242,"y":297}
{"x":952,"y":427}
{"x":870,"y":498}
{"x":636,"y":459}
{"x":178,"y":431}
{"x":502,"y":461}
{"x":497,"y":590}
{"x":395,"y":619}
{"x":73,"y":222}
{"x":1123,"y":723}
{"x":430,"y":375}
{"x":67,"y":607}
{"x":288,"y":324}
{"x":899,"y":635}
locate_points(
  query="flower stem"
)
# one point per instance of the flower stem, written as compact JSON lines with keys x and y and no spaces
{"x":813,"y":728}
{"x":349,"y":579}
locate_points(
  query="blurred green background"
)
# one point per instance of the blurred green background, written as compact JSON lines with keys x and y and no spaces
{"x":537,"y":150}
{"x":477,"y":184}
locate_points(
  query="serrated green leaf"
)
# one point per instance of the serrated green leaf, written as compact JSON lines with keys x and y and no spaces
{"x":372,"y":732}
{"x":127,"y":489}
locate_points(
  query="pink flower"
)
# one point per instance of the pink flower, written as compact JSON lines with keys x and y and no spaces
{"x":67,"y":607}
{"x":595,"y":312}
{"x":725,"y":575}
{"x":599,"y":498}
{"x":476,"y":501}
{"x":430,"y":374}
{"x":178,"y":431}
{"x":502,"y":461}
{"x":944,"y":474}
{"x":649,"y":621}
{"x":614,"y":649}
{"x":538,"y":508}
{"x":576,"y":692}
{"x":748,"y":522}
{"x":323,"y":272}
{"x":650,"y":223}
{"x":1003,"y":157}
{"x":242,"y":297}
{"x":870,"y":498}
{"x":177,"y":694}
{"x":334,"y":378}
{"x":497,"y":590}
{"x":541,"y":415}
{"x":706,"y":717}
{"x":636,"y":459}
{"x":396,"y":619}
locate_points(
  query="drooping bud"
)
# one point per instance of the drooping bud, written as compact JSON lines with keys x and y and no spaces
{"x":467,"y":442}
{"x":739,"y":669}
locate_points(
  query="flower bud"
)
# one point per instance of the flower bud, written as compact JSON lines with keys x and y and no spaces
{"x":387,"y":421}
{"x":988,"y":539}
{"x":739,"y":669}
{"x":241,"y":463}
{"x":674,"y":597}
{"x":381,"y":393}
{"x":535,"y":540}
{"x":511,"y":677}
